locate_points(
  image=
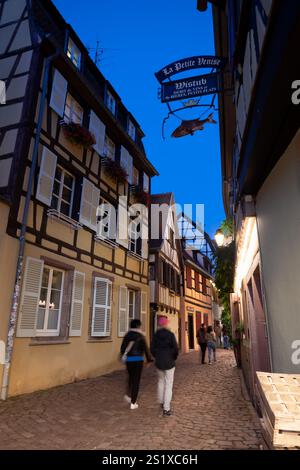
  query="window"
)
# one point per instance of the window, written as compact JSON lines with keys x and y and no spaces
{"x":110,"y":102}
{"x":135,"y":179}
{"x":74,"y":53}
{"x":135,"y":240}
{"x":171,"y":238}
{"x":106,"y":226}
{"x":146,"y":183}
{"x":73,"y":110}
{"x":178,"y":284}
{"x":62,"y":196}
{"x":109,"y":148}
{"x":132,"y":306}
{"x":101,"y":318}
{"x":49,"y":307}
{"x":152,"y":272}
{"x":172,"y":279}
{"x":131,"y":129}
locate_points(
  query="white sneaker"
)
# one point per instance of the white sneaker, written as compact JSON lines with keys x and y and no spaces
{"x":127,"y":399}
{"x":134,"y":406}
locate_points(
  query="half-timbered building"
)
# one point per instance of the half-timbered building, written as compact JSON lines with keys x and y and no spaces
{"x":80,"y":284}
{"x":165,"y":263}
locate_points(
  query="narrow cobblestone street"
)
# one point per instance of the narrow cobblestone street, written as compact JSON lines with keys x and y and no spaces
{"x":209,"y":413}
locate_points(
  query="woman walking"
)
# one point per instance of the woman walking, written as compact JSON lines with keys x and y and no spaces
{"x":211,"y":344}
{"x":133,"y":349}
{"x":202,"y":341}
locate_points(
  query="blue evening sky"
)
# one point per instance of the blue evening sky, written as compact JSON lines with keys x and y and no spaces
{"x":138,"y":38}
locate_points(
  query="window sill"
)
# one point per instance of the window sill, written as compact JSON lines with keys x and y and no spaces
{"x":64,"y":219}
{"x":136,"y":256}
{"x":46,"y":342}
{"x":100,"y":340}
{"x":106,"y":241}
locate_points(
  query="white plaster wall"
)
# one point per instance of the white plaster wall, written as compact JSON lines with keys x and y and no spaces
{"x":278,"y":217}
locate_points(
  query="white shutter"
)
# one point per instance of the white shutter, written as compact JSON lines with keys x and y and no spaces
{"x":58,"y":94}
{"x":130,"y":169}
{"x":90,"y":196}
{"x":146,"y":183}
{"x":124,"y":158}
{"x":145,"y":234}
{"x":77,"y":304}
{"x":123,"y":311}
{"x":144,"y":311}
{"x":122,"y":225}
{"x":46,"y":177}
{"x":30,"y":298}
{"x":101,"y":307}
{"x":97,"y":128}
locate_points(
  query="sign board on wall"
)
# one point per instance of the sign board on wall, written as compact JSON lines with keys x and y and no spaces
{"x":191,"y":87}
{"x":190,"y":63}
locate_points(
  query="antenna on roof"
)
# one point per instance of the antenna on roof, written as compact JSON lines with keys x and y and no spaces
{"x":98,"y":53}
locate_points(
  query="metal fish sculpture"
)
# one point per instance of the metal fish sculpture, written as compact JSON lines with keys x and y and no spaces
{"x":191,"y":126}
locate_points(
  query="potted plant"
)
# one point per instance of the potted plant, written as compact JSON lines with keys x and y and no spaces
{"x":78,"y":134}
{"x":114,"y":169}
{"x":140,"y":195}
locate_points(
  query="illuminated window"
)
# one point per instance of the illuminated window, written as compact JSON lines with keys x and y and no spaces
{"x":50,"y":303}
{"x":73,"y":110}
{"x":74,"y":53}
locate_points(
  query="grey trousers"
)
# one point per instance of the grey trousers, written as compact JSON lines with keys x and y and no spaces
{"x":165,"y":387}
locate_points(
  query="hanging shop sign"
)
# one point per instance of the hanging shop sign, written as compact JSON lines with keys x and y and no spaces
{"x":191,"y":87}
{"x":190,"y":63}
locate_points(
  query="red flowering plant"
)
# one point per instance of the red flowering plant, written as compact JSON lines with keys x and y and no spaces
{"x":78,"y":134}
{"x":140,"y":195}
{"x":114,"y":169}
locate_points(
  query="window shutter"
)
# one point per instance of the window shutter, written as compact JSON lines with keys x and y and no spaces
{"x":146,"y":183}
{"x":77,"y":304}
{"x":97,"y":128}
{"x":144,"y":311}
{"x":122,"y":226}
{"x":189,"y":277}
{"x":145,"y":234}
{"x":89,"y":203}
{"x":46,"y":177}
{"x":30,"y":297}
{"x":130,"y":169}
{"x":58,"y":94}
{"x":126,"y":162}
{"x":197,"y":281}
{"x":123,"y":311}
{"x":101,"y":307}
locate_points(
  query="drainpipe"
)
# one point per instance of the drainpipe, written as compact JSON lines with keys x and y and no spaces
{"x":16,"y":294}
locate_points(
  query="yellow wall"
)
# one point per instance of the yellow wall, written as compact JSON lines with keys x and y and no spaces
{"x":186,"y":312}
{"x":37,"y":367}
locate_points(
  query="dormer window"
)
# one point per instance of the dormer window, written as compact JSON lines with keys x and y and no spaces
{"x":74,"y":53}
{"x":110,"y":102}
{"x":73,"y":110}
{"x":131,"y":129}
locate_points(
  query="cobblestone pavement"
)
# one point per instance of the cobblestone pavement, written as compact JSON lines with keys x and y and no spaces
{"x":209,"y":413}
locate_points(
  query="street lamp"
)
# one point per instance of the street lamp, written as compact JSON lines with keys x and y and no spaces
{"x":219,"y":238}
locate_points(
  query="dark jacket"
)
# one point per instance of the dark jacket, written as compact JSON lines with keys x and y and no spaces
{"x":164,"y":349}
{"x":201,"y":336}
{"x":139,"y":347}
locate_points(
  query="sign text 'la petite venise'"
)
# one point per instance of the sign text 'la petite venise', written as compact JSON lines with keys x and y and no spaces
{"x":196,"y":62}
{"x":191,"y":87}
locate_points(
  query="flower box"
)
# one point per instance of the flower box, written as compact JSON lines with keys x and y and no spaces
{"x":140,"y":195}
{"x":78,"y":134}
{"x":114,"y":169}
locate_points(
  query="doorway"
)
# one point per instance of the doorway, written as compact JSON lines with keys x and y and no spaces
{"x":191,"y":332}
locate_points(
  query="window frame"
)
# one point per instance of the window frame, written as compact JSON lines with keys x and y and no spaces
{"x":71,"y":49}
{"x":61,"y":188}
{"x":45,"y":331}
{"x":70,"y":118}
{"x":110,"y":102}
{"x":108,"y":143}
{"x":131,"y":130}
